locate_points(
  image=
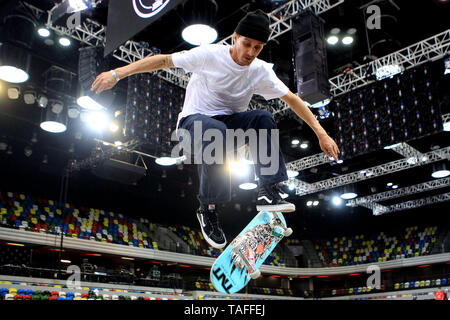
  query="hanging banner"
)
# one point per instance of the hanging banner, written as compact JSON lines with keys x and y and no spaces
{"x":126,"y":18}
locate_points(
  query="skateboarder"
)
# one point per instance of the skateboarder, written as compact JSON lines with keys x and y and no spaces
{"x":224,"y":79}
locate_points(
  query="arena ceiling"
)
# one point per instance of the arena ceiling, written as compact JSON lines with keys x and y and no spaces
{"x":160,"y":198}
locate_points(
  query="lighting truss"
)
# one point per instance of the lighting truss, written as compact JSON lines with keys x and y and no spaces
{"x":407,"y":151}
{"x":303,"y":188}
{"x":92,"y":33}
{"x":280,"y":18}
{"x":308,"y":162}
{"x":397,"y":193}
{"x":430,"y":49}
{"x":379,"y":209}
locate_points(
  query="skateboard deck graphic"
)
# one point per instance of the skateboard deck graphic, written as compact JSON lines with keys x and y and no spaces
{"x":243,"y":257}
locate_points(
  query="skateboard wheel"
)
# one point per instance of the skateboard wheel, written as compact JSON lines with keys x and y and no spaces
{"x":255,"y":275}
{"x":288,"y":232}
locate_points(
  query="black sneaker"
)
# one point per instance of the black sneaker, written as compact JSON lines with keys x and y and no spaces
{"x":271,"y":198}
{"x":209,"y":223}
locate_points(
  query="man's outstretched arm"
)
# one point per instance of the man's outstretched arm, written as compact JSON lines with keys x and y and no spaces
{"x":106,"y":80}
{"x":327,"y":144}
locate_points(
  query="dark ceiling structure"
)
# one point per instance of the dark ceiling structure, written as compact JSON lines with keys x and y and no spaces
{"x":35,"y":162}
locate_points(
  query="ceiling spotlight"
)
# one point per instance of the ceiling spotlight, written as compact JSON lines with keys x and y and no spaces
{"x":73,"y":111}
{"x":447,"y":126}
{"x":295,"y":142}
{"x":304,"y":145}
{"x":43,"y":32}
{"x":166,"y":161}
{"x":13,"y":74}
{"x":97,"y":120}
{"x":332,"y":40}
{"x":335,"y":31}
{"x":351,"y":31}
{"x":347,"y":40}
{"x":389,"y":184}
{"x":57,"y":107}
{"x":64,"y":41}
{"x":440,"y":171}
{"x":248,"y":186}
{"x":14,"y":64}
{"x":240,"y":168}
{"x":309,"y":203}
{"x":291,"y":186}
{"x":13,"y":93}
{"x":315,"y":203}
{"x":348,"y":195}
{"x":337,"y":201}
{"x":78,"y":5}
{"x":88,"y":103}
{"x":29,"y":97}
{"x":42,"y":101}
{"x":199,"y":34}
{"x":292,"y":173}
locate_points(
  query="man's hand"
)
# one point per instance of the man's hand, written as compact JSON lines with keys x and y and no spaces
{"x":104,"y":81}
{"x":329,"y":146}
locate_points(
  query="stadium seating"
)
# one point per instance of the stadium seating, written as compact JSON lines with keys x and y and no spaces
{"x":378,"y":247}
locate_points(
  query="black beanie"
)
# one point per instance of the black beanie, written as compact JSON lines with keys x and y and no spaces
{"x":255,"y":25}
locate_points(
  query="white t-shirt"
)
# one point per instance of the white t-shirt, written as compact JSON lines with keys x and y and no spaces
{"x":219,"y":86}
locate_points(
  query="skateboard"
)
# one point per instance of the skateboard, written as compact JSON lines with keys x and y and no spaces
{"x":243,"y":257}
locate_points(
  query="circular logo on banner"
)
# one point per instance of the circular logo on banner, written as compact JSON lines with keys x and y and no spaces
{"x":149,"y":8}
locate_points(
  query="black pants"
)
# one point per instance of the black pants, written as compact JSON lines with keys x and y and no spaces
{"x":215,"y":180}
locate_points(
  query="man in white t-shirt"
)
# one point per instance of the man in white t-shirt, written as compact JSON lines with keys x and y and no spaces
{"x":223,"y":81}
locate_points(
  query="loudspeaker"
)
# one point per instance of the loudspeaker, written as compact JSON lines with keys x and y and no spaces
{"x":90,"y":64}
{"x":310,"y":59}
{"x":119,"y":171}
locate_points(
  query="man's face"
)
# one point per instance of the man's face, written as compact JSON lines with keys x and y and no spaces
{"x":247,"y":49}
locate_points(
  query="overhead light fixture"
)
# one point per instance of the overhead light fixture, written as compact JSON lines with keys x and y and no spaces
{"x":315,"y":203}
{"x":73,"y":111}
{"x":291,"y":186}
{"x":347,"y":40}
{"x":388,"y":71}
{"x":332,"y":40}
{"x":447,"y":126}
{"x":97,"y":120}
{"x":64,"y":41}
{"x":29,"y":97}
{"x":14,"y":64}
{"x":89,"y":103}
{"x":348,"y":195}
{"x":240,"y":168}
{"x":53,"y":119}
{"x":440,"y":171}
{"x":351,"y":31}
{"x":166,"y":161}
{"x":13,"y":93}
{"x":199,"y":34}
{"x":295,"y":142}
{"x":309,"y":203}
{"x":43,"y":32}
{"x":78,"y":5}
{"x":248,"y":186}
{"x":200,"y":16}
{"x":304,"y":145}
{"x":337,"y":201}
{"x":292,"y":173}
{"x":42,"y":101}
